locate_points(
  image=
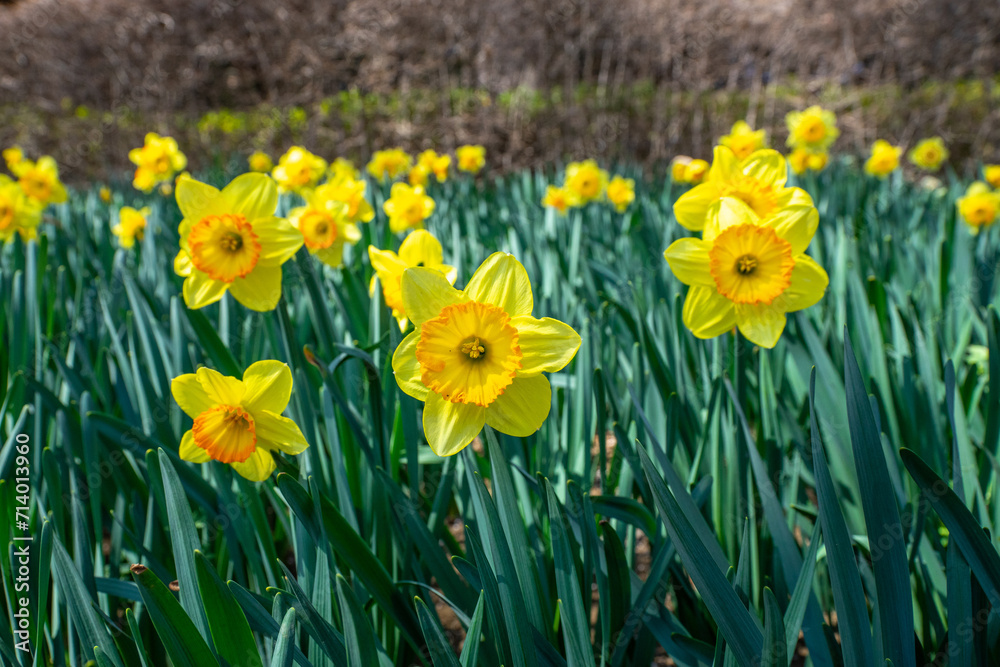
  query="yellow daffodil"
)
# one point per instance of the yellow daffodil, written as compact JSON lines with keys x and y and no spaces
{"x":239,"y":422}
{"x":884,"y":159}
{"x":621,"y":193}
{"x":813,"y":129}
{"x":407,"y":207}
{"x":695,"y":171}
{"x":298,"y":169}
{"x":979,"y":206}
{"x":748,"y":271}
{"x":40,"y":180}
{"x":802,"y":160}
{"x":991,"y":174}
{"x":419,"y":248}
{"x":743,"y":140}
{"x":758,"y":181}
{"x":131,"y":225}
{"x":19,"y":213}
{"x":586,"y":180}
{"x":343,"y":169}
{"x":261,"y":162}
{"x":471,"y":158}
{"x":389,"y":164}
{"x":12,"y":156}
{"x":435,"y":164}
{"x":324,"y":224}
{"x":156,"y":161}
{"x":929,"y":154}
{"x":105,"y":194}
{"x":418,"y":176}
{"x":678,"y":168}
{"x":351,"y":192}
{"x":560,"y":198}
{"x":477,"y":355}
{"x":231,"y":240}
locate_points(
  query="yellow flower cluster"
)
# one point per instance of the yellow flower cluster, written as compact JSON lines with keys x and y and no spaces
{"x":157,"y":161}
{"x":810,"y":134}
{"x":586,"y":182}
{"x":22,"y":201}
{"x":979,"y":207}
{"x":749,"y":268}
{"x":688,"y":171}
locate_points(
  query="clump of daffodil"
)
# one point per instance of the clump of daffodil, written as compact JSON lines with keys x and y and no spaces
{"x":236,"y":421}
{"x":758,"y":181}
{"x":298,"y":169}
{"x":560,"y":199}
{"x":884,"y":159}
{"x":477,"y":355}
{"x":389,"y":164}
{"x":131,"y":225}
{"x":19,"y":213}
{"x":621,"y":193}
{"x":991,"y":174}
{"x":342,"y":168}
{"x":748,"y":271}
{"x":435,"y":164}
{"x":743,"y":140}
{"x":802,"y":160}
{"x":40,"y":180}
{"x":686,"y":170}
{"x":157,"y":161}
{"x":232,"y":241}
{"x":407,"y":207}
{"x":105,"y":194}
{"x":979,"y":207}
{"x":928,"y":154}
{"x":586,"y":180}
{"x":260,"y":162}
{"x":12,"y":155}
{"x":471,"y":159}
{"x":325,"y":224}
{"x":813,"y":129}
{"x":418,"y":176}
{"x":419,"y":248}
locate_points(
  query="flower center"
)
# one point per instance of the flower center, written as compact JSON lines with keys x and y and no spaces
{"x":35,"y":185}
{"x":469,"y":353}
{"x":751,"y":264}
{"x":762,"y":198}
{"x":224,"y":246}
{"x":318,"y":229}
{"x":813,"y":129}
{"x":227,"y":433}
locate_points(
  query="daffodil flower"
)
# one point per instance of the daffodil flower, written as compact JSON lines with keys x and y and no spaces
{"x":239,"y":422}
{"x":470,"y":158}
{"x":157,"y":160}
{"x":19,"y":214}
{"x":419,"y":248}
{"x":434,"y":164}
{"x":758,"y":181}
{"x":407,"y":207}
{"x":260,"y":161}
{"x":743,"y":140}
{"x":586,"y":180}
{"x":351,"y":192}
{"x":477,"y":355}
{"x":813,"y":129}
{"x":621,"y":193}
{"x":324,"y":224}
{"x":389,"y":164}
{"x":748,"y":271}
{"x":298,"y":169}
{"x":131,"y":225}
{"x":929,"y":154}
{"x":40,"y":180}
{"x":560,"y":198}
{"x":231,"y":241}
{"x":883,"y":160}
{"x":979,"y":207}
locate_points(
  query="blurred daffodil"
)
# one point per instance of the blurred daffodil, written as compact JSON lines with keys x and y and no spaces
{"x":232,"y":241}
{"x":260,"y":162}
{"x":979,"y":207}
{"x":621,"y":193}
{"x":813,"y":129}
{"x":239,"y":421}
{"x":585,"y":180}
{"x":157,"y":160}
{"x":419,"y":249}
{"x":477,"y":355}
{"x":298,"y":169}
{"x":929,"y":154}
{"x":748,"y":271}
{"x":388,"y":164}
{"x":131,"y":225}
{"x":560,"y":199}
{"x":105,"y":194}
{"x":435,"y":164}
{"x":12,"y":156}
{"x":40,"y":180}
{"x":743,"y":140}
{"x":991,"y":174}
{"x":407,"y":207}
{"x":351,"y":192}
{"x":342,"y":169}
{"x":325,"y":224}
{"x":19,"y":214}
{"x":884,"y":159}
{"x":802,"y":160}
{"x":471,"y":159}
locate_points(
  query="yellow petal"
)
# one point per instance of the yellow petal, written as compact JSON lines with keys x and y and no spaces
{"x":425,"y":293}
{"x":795,"y":224}
{"x":688,"y":259}
{"x":189,"y":451}
{"x":200,"y":290}
{"x":547,"y":345}
{"x":182,"y":264}
{"x":260,"y":290}
{"x":707,"y":313}
{"x":725,"y":166}
{"x":190,"y":395}
{"x":332,"y":256}
{"x":728,"y":212}
{"x":450,"y":427}
{"x":254,"y":196}
{"x":501,"y":281}
{"x":691,"y":208}
{"x":279,"y":241}
{"x":277,"y":432}
{"x":522,"y":408}
{"x":197,"y":199}
{"x":406,"y":368}
{"x":766,"y":166}
{"x":420,"y":248}
{"x":761,"y":324}
{"x":258,"y":467}
{"x":809,"y":282}
{"x":221,"y":389}
{"x":268,"y":386}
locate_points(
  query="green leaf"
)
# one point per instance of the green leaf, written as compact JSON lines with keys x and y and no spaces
{"x":437,"y":644}
{"x":775,"y":651}
{"x":283,"y":645}
{"x":181,"y":639}
{"x":470,"y":649}
{"x":358,"y":634}
{"x":231,"y":633}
